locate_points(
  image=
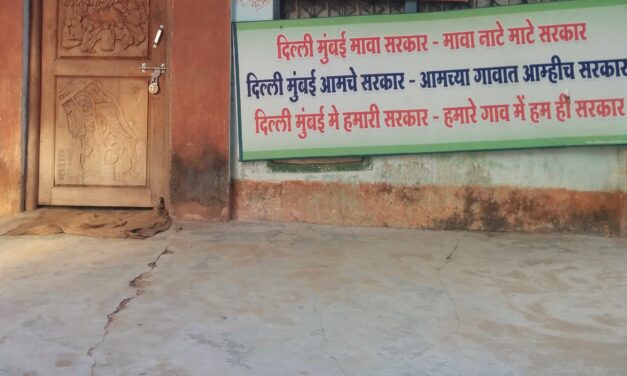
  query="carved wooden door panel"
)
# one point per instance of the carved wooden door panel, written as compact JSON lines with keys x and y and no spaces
{"x":103,"y":135}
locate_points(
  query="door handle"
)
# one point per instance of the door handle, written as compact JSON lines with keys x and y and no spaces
{"x":157,"y":39}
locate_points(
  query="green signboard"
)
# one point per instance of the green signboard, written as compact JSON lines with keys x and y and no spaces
{"x":524,"y":76}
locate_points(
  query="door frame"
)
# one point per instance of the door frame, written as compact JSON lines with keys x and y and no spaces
{"x":34,"y":78}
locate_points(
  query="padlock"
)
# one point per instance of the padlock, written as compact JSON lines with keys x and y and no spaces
{"x":153,"y":88}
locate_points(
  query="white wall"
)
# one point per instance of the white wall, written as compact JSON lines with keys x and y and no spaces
{"x":252,"y":10}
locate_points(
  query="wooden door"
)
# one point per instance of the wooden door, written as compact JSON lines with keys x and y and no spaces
{"x":103,"y":139}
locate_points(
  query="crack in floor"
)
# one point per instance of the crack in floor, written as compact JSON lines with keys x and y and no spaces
{"x":604,"y":286}
{"x":326,"y":339}
{"x":138,"y":283}
{"x":448,"y":293}
{"x":450,"y":297}
{"x":449,"y":257}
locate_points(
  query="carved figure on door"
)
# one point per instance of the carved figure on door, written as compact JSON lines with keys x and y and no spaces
{"x":111,"y":153}
{"x":104,"y":27}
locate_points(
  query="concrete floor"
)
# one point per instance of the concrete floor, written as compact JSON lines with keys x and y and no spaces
{"x":293,"y":299}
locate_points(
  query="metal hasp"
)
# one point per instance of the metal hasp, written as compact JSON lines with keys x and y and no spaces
{"x":144,"y":68}
{"x":158,"y":36}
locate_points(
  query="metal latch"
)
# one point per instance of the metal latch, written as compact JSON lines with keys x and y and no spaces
{"x":153,"y":86}
{"x":144,"y":67}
